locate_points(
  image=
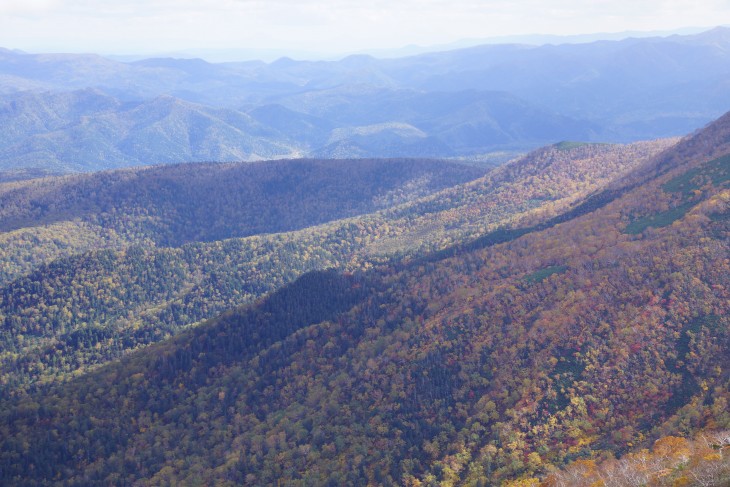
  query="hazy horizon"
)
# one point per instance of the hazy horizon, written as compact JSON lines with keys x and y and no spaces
{"x":270,"y":54}
{"x":325,"y":29}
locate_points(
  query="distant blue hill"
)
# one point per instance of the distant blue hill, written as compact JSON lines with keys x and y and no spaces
{"x":455,"y":103}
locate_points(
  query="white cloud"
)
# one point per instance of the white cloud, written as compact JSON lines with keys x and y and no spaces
{"x":343,"y":25}
{"x":27,"y":7}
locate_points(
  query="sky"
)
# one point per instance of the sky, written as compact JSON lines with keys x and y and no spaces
{"x":324,"y":26}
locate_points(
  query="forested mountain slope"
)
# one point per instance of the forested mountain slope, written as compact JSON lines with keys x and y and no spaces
{"x":88,"y":130}
{"x":172,"y":205}
{"x":600,"y":326}
{"x":75,"y":312}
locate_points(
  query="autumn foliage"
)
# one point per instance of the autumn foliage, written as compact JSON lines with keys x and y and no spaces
{"x":672,"y":461}
{"x":455,"y":342}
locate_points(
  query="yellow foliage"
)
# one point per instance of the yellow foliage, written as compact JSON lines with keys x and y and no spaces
{"x":672,"y":446}
{"x":526,"y":482}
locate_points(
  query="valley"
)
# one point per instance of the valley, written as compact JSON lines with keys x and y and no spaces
{"x":505,"y":265}
{"x":461,"y":361}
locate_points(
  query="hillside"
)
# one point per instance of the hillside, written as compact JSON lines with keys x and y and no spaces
{"x":172,"y":205}
{"x":65,"y":308}
{"x":585,"y":325}
{"x":177,"y":202}
{"x":88,"y":130}
{"x":442,"y":123}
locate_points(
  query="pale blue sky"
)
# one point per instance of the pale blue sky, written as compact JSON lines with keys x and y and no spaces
{"x":151,"y":26}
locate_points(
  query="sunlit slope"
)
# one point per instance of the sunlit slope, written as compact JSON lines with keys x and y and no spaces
{"x":79,"y":311}
{"x":496,"y":362}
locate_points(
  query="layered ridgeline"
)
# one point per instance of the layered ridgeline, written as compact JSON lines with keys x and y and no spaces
{"x":65,"y":308}
{"x":64,"y":112}
{"x":172,"y":205}
{"x":80,"y":253}
{"x":588,"y":326}
{"x":89,"y":130}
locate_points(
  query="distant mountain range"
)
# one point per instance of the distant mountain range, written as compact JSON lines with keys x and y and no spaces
{"x":87,"y":130}
{"x":239,"y":54}
{"x":67,"y":112}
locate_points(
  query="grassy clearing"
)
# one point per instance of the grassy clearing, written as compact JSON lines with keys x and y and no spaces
{"x":658,"y":220}
{"x":716,"y":172}
{"x":543,"y":274}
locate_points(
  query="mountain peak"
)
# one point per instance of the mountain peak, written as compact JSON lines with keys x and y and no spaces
{"x":284,"y":62}
{"x":357,"y":60}
{"x":717,"y":36}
